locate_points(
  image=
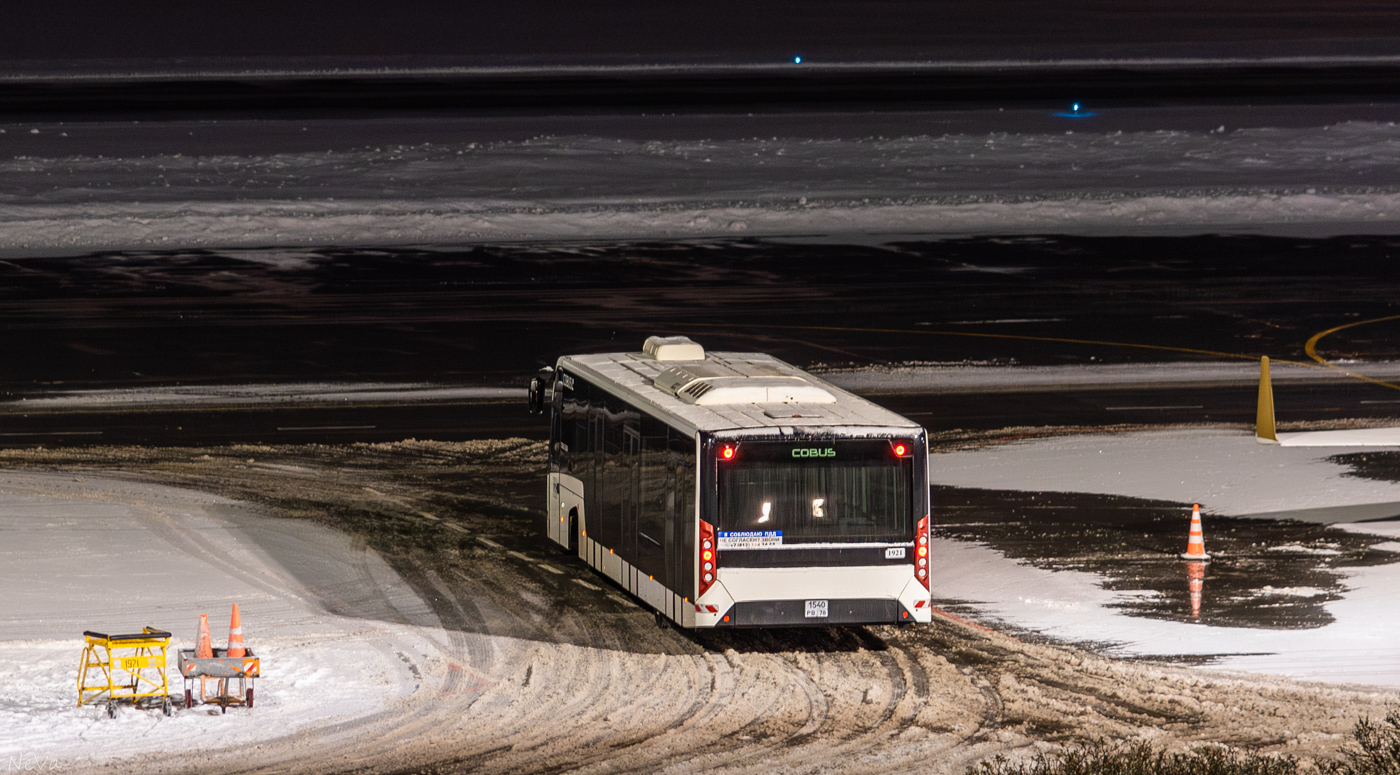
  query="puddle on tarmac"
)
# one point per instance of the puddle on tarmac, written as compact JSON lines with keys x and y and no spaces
{"x":1263,"y":574}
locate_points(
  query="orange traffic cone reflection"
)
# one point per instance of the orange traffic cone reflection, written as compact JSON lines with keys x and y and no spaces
{"x":1195,"y":582}
{"x":235,"y":635}
{"x":1196,"y":542}
{"x":204,"y":649}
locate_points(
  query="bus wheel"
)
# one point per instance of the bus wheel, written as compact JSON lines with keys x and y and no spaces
{"x":662,"y":622}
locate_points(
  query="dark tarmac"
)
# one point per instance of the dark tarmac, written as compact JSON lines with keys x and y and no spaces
{"x":491,"y":315}
{"x":488,"y":315}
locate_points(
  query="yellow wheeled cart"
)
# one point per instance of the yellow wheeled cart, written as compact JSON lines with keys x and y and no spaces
{"x":128,"y":669}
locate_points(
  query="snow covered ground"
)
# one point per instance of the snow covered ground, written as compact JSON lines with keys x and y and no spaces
{"x":93,"y":554}
{"x":549,"y":668}
{"x":1225,"y":471}
{"x":302,"y":393}
{"x":1229,"y":474}
{"x":1325,"y":177}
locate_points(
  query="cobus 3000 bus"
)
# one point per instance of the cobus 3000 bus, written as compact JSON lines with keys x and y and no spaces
{"x":733,"y":489}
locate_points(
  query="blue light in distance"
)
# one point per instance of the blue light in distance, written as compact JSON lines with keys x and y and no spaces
{"x":1076,"y":110}
{"x":797,"y":60}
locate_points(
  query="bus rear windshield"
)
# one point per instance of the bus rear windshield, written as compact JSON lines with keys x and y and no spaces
{"x":834,"y":492}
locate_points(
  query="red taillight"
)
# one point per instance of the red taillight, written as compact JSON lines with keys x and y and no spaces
{"x":900,"y":450}
{"x":709,"y":556}
{"x":921,"y":552}
{"x":726,"y":452}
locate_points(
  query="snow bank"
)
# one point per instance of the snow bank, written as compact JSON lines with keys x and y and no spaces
{"x":1341,"y":177}
{"x":246,"y":395}
{"x":959,"y":378}
{"x":306,"y":685}
{"x":112,"y":556}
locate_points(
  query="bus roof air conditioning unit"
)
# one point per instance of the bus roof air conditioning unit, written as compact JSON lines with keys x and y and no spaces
{"x":753,"y":390}
{"x":673,"y":348}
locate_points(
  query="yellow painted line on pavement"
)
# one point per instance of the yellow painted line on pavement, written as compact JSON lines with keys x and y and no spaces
{"x":1311,"y":349}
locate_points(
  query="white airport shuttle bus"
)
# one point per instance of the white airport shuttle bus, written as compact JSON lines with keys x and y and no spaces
{"x":733,"y":489}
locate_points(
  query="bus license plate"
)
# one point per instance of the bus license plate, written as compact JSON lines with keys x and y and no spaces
{"x":816,"y":609}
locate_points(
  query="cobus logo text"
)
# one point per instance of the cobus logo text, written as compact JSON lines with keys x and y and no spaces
{"x":814,"y":452}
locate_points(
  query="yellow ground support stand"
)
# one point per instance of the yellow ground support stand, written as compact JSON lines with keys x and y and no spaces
{"x":125,"y":668}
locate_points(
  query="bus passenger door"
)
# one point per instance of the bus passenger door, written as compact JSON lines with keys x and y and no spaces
{"x":566,"y":511}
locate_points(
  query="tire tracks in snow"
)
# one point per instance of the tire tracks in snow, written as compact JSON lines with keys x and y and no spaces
{"x":579,"y":682}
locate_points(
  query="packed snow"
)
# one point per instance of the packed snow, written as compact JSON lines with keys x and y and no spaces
{"x":1227,"y":473}
{"x":109,"y":556}
{"x":1359,"y":646}
{"x":1324,"y":178}
{"x":272,"y":394}
{"x":1351,"y":437}
{"x":548,"y":670}
{"x":1003,"y":378}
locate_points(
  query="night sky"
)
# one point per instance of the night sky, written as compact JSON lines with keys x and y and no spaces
{"x":101,"y":36}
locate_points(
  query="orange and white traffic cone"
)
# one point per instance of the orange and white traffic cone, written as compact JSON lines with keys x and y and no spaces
{"x":1196,"y":544}
{"x":204,"y":649}
{"x":235,"y":635}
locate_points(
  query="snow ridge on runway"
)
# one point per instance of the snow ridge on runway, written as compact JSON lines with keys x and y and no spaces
{"x":1322,"y":179}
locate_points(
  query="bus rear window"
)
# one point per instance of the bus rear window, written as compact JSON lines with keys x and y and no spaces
{"x":835,"y":492}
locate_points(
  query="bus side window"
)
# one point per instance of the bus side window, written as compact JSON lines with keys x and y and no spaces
{"x":680,"y":530}
{"x":654,"y":498}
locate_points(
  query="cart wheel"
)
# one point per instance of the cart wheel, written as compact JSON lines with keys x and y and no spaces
{"x":167,"y":707}
{"x":250,"y":698}
{"x":111,"y":709}
{"x":189,"y":699}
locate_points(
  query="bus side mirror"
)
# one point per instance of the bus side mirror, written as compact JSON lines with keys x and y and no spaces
{"x":535,"y":396}
{"x":539,"y":390}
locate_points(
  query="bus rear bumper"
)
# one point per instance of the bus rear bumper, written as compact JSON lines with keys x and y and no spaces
{"x":754,"y":597}
{"x":794,"y":613}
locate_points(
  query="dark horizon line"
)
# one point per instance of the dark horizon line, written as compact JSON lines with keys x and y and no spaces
{"x":722,"y":89}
